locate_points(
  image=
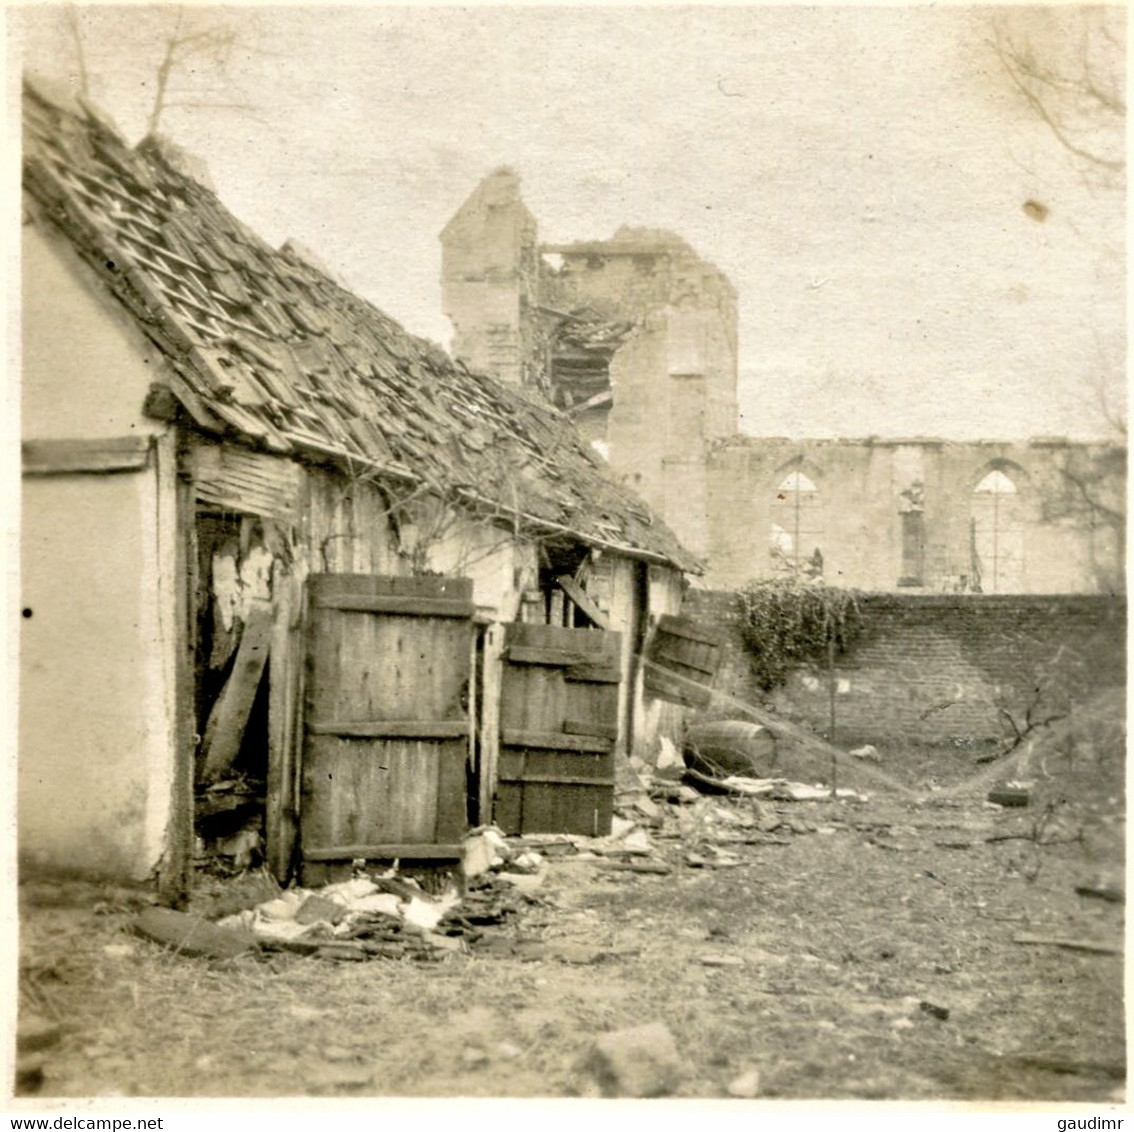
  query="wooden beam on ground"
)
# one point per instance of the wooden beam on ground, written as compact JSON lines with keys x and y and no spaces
{"x":1070,"y":944}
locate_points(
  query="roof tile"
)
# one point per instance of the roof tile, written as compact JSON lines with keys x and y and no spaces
{"x":290,"y":360}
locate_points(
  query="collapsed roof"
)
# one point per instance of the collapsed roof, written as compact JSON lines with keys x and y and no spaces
{"x":265,"y":347}
{"x":582,"y":346}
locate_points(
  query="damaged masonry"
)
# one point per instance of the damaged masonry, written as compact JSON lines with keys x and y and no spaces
{"x":383,"y":731}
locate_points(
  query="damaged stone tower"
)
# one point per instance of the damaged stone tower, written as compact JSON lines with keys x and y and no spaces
{"x":634,"y":338}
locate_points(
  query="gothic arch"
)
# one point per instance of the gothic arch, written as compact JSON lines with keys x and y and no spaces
{"x":796,"y":524}
{"x":996,"y":527}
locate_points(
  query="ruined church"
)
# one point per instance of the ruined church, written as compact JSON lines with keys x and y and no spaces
{"x":634,"y":338}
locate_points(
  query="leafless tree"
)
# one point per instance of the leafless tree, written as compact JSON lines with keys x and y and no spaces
{"x":1068,"y":68}
{"x":194,"y":70}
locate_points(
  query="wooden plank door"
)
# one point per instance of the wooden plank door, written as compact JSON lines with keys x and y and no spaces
{"x":387,"y":725}
{"x":558,"y":726}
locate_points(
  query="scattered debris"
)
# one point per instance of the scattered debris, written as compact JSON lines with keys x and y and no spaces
{"x":192,"y":935}
{"x":1104,"y":890}
{"x":35,"y":1033}
{"x":120,"y":950}
{"x":941,"y":1013}
{"x":317,"y":908}
{"x":721,"y":961}
{"x":29,"y":1073}
{"x":746,"y":1086}
{"x":730,"y":747}
{"x":639,"y":1062}
{"x":1010,"y":795}
{"x":776,"y":789}
{"x":485,"y":849}
{"x":657,"y":867}
{"x":322,"y":1078}
{"x":1069,"y":943}
{"x":1115,"y":1070}
{"x":670,"y":764}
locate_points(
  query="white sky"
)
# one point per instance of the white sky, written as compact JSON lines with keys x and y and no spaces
{"x":858,"y":173}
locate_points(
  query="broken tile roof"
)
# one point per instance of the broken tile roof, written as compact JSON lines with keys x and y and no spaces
{"x":269,"y":349}
{"x":584,"y":332}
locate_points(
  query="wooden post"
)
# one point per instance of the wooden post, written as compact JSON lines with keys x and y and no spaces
{"x":490,"y":720}
{"x":175,"y":877}
{"x":831,"y":689}
{"x":284,"y":662}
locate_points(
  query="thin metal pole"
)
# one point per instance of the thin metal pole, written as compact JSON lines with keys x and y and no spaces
{"x":831,"y":697}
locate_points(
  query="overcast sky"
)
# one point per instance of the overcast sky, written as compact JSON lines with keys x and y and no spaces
{"x":860,"y":175}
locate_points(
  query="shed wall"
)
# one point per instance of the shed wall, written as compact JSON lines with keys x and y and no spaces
{"x":96,"y":718}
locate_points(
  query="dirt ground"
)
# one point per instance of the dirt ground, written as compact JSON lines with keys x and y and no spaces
{"x":869,"y":955}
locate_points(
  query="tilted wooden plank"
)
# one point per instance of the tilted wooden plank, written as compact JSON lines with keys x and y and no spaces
{"x":555,"y":741}
{"x":583,"y":600}
{"x":392,"y":728}
{"x":665,"y":685}
{"x":666,"y":657}
{"x":386,"y":852}
{"x":229,"y":716}
{"x":408,"y":606}
{"x":66,"y":457}
{"x":684,"y":627}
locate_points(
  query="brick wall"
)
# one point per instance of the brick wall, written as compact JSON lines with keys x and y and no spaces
{"x":938,"y":668}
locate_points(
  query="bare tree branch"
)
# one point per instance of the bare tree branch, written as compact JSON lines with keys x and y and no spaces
{"x":1062,"y":84}
{"x":80,"y":53}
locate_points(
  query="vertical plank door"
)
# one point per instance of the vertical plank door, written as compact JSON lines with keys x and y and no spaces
{"x":558,"y":726}
{"x":387,"y":727}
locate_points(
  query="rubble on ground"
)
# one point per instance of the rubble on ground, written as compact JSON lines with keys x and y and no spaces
{"x":639,"y":1062}
{"x":660,"y":824}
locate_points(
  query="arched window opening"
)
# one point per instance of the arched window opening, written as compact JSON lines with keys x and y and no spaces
{"x":997,"y":535}
{"x":796,"y":532}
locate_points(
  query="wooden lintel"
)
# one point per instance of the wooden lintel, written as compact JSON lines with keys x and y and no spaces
{"x":67,"y":457}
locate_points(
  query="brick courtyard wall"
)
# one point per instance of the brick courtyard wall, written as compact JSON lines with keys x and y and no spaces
{"x":936,"y":669}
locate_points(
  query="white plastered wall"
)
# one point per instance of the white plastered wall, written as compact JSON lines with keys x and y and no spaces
{"x":98,"y":555}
